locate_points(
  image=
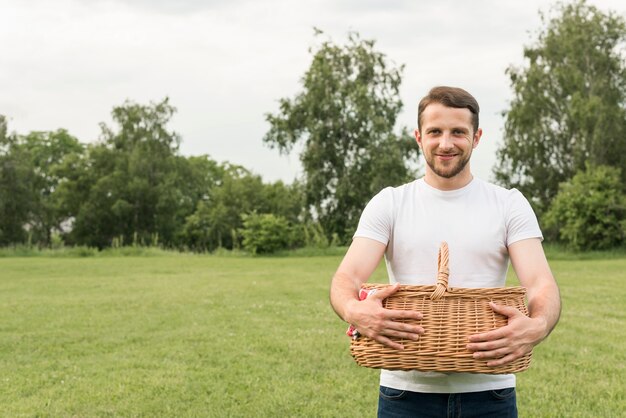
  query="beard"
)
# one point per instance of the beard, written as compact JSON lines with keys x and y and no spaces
{"x":448,"y":170}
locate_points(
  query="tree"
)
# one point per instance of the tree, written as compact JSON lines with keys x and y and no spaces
{"x":569,"y":103}
{"x":219,"y":216}
{"x":345,"y":118}
{"x":132,"y":189}
{"x":265,"y":233}
{"x":16,"y":187}
{"x":589,"y":211}
{"x":48,"y":152}
{"x":30,"y":175}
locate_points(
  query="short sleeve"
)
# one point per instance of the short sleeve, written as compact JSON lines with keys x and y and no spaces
{"x":521,"y":219}
{"x":376,"y":220}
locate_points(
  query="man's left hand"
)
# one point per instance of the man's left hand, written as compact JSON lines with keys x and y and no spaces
{"x":508,"y":343}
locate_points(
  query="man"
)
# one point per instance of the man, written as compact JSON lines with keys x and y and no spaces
{"x":485,"y":226}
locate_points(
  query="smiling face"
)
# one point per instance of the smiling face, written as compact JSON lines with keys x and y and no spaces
{"x":447,"y":139}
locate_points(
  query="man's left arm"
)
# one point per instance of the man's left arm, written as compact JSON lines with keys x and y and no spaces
{"x":522,"y":333}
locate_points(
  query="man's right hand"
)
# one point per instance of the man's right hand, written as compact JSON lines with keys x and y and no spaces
{"x":372,"y":320}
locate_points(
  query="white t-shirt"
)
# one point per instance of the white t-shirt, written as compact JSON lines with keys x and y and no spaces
{"x":479,"y":222}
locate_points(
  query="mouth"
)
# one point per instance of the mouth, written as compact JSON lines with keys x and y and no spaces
{"x":446,"y":157}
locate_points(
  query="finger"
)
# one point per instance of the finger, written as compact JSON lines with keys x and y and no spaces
{"x":487,"y":346}
{"x":408,"y":314}
{"x":504,"y":310}
{"x":488,"y":336}
{"x":389,"y":343}
{"x":502,"y":361}
{"x":385,"y":292}
{"x":492,"y":354}
{"x":403,"y":335}
{"x":406,"y":330}
{"x":512,"y":355}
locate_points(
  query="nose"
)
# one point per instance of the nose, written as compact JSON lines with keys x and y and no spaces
{"x":446,"y":142}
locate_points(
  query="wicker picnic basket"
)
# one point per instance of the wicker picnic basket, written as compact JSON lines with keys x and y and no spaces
{"x":450,"y":316}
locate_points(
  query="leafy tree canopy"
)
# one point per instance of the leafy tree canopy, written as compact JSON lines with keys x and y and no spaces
{"x":589,"y":211}
{"x":31,"y":172}
{"x":133,"y":190}
{"x":569,"y":104}
{"x":344,"y":119}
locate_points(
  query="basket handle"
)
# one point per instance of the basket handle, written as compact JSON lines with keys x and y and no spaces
{"x":442,"y":272}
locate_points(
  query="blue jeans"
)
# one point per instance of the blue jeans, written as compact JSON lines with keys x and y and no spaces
{"x":402,"y":403}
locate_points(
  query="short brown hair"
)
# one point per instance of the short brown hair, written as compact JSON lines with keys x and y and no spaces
{"x":450,"y":97}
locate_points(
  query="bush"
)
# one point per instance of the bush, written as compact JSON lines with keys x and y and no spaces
{"x":265,"y":233}
{"x":309,"y":235}
{"x":589,"y":211}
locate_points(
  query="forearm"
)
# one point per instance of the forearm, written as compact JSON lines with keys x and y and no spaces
{"x":344,"y":290}
{"x":544,"y":304}
{"x":533,"y":271}
{"x":357,"y":266}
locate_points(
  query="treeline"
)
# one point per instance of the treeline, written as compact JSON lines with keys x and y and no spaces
{"x":134,"y":187}
{"x":565,"y":131}
{"x":564,"y":147}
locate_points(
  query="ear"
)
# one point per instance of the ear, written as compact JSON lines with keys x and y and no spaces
{"x":477,"y":136}
{"x":418,"y":138}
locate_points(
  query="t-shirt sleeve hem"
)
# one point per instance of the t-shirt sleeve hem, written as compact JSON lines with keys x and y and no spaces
{"x":376,"y":237}
{"x":527,"y":235}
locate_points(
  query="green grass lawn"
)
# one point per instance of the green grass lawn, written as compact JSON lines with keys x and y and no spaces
{"x":204,"y":336}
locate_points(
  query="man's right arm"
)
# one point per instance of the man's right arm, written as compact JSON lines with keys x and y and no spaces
{"x":368,"y":316}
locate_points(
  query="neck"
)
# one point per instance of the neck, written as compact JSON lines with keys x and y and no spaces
{"x":446,"y":184}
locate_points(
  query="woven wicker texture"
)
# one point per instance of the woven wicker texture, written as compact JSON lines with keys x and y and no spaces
{"x":450,"y":316}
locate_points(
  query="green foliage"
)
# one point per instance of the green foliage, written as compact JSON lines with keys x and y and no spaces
{"x":314,"y":235}
{"x":265,"y":233}
{"x":344,"y":117}
{"x":50,"y":153}
{"x":237,"y":192}
{"x":568,"y":105}
{"x":25,"y":250}
{"x":559,"y":251}
{"x":16,"y":188}
{"x":134,"y":188}
{"x":130,"y":188}
{"x":31,"y":172}
{"x":589,"y":212}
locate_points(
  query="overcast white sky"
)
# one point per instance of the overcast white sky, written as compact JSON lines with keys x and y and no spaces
{"x":225,"y":63}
